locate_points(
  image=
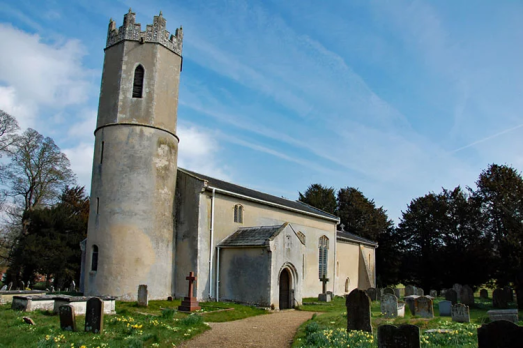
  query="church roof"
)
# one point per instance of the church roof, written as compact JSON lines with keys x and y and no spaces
{"x":252,"y":236}
{"x":351,"y":237}
{"x":229,"y":188}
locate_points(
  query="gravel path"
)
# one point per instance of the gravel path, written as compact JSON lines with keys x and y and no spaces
{"x":270,"y":330}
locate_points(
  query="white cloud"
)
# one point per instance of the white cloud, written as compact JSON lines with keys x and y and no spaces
{"x":84,"y":129}
{"x":10,"y":102}
{"x":81,"y":158}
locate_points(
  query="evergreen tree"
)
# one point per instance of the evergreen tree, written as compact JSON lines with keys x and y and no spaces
{"x":321,"y":197}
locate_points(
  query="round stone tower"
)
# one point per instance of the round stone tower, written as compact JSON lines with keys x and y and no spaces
{"x":130,"y":234}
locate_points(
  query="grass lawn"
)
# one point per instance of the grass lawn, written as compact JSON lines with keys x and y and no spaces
{"x":159,"y":325}
{"x":329,"y":328}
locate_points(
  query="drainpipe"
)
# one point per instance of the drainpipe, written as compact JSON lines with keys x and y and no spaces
{"x":335,"y":259}
{"x":217,"y":273}
{"x":211,"y":246}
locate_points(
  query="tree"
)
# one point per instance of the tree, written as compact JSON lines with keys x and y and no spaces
{"x":51,"y":244}
{"x":321,"y":197}
{"x":8,"y":128}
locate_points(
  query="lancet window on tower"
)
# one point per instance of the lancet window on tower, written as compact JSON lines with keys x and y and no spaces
{"x":139,"y":73}
{"x":94,"y":259}
{"x":238,"y":213}
{"x":323,"y":246}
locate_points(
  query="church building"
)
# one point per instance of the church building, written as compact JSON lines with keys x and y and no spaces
{"x":152,"y":223}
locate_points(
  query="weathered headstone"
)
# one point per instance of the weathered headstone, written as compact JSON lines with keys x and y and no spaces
{"x":483,"y":293}
{"x":410,"y":290}
{"x":10,"y":286}
{"x":460,"y":313}
{"x":410,"y":300}
{"x":94,"y":315}
{"x":29,"y":284}
{"x":21,"y":285}
{"x":143,"y":296}
{"x":190,"y":303}
{"x":452,"y":296}
{"x":397,"y":292}
{"x":467,"y":295}
{"x":504,"y":314}
{"x":445,"y":308}
{"x":358,"y":311}
{"x":4,"y":288}
{"x":72,"y":287}
{"x":420,"y":292}
{"x":67,"y":318}
{"x":443,"y":292}
{"x":403,"y":336}
{"x":509,"y":293}
{"x":388,"y":291}
{"x":433,"y":293}
{"x":372,"y":293}
{"x":389,"y":306}
{"x":457,"y":288}
{"x":51,"y":288}
{"x":424,"y":307}
{"x":499,"y":299}
{"x":500,"y":334}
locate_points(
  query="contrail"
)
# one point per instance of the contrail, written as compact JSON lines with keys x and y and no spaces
{"x":487,"y":138}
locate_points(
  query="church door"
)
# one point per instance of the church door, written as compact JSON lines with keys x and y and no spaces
{"x":285,"y":289}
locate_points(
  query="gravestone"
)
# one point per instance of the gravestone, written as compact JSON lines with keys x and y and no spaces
{"x":324,"y":296}
{"x":445,"y":308}
{"x":467,"y":295}
{"x":504,"y":314}
{"x":460,"y":313}
{"x":94,"y":315}
{"x":190,"y":303}
{"x":451,"y":295}
{"x":51,"y":288}
{"x":424,"y":307}
{"x":433,"y":293}
{"x":457,"y":288}
{"x":358,"y":311}
{"x":409,"y":300}
{"x":397,"y":292}
{"x":389,"y":306}
{"x":372,"y":293}
{"x":499,"y":299}
{"x":21,"y":285}
{"x":403,"y":336}
{"x":443,"y":292}
{"x":509,"y":293}
{"x":388,"y":291}
{"x":29,"y":284}
{"x":4,"y":288}
{"x":67,"y":318}
{"x":420,"y":292}
{"x":483,"y":293}
{"x":143,"y":296}
{"x":410,"y":290}
{"x":10,"y":286}
{"x":500,"y":334}
{"x":72,"y":287}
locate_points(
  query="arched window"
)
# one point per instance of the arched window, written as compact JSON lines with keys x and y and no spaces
{"x":94,"y":259}
{"x":347,"y":283}
{"x":139,"y":72}
{"x":238,"y":213}
{"x":323,"y":257}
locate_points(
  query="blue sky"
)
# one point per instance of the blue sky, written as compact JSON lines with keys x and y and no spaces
{"x":396,"y":98}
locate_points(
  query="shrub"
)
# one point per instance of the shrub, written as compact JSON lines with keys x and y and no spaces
{"x":312,"y":327}
{"x":191,"y":320}
{"x":168,"y":313}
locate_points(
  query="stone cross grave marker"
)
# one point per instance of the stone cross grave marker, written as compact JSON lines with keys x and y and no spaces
{"x":324,"y":281}
{"x":4,"y":288}
{"x":190,"y":303}
{"x":499,"y":299}
{"x":467,"y":295}
{"x":452,"y":296}
{"x":372,"y":293}
{"x":94,"y":315}
{"x":483,"y":293}
{"x":424,"y":307}
{"x":324,"y":296}
{"x":10,"y":286}
{"x":500,"y":333}
{"x":358,"y":311}
{"x":433,"y":293}
{"x":457,"y":288}
{"x":389,"y":306}
{"x":67,"y":318}
{"x":460,"y":313}
{"x":403,"y":336}
{"x":445,"y":308}
{"x":143,"y":296}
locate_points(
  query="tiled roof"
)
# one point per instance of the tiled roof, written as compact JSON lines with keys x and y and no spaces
{"x":355,"y":238}
{"x":252,"y":236}
{"x":227,"y":186}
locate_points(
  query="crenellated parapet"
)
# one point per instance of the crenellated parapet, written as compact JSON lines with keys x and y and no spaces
{"x":155,"y":33}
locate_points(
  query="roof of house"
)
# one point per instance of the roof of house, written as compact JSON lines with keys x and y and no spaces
{"x":252,"y":236}
{"x":344,"y":235}
{"x":257,"y":195}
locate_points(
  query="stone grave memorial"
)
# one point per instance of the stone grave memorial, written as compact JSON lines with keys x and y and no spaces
{"x":460,"y":313}
{"x":445,"y":308}
{"x":8,"y":296}
{"x":410,"y":290}
{"x":10,"y":286}
{"x":457,"y":288}
{"x":483,"y":293}
{"x":499,"y":299}
{"x":467,"y":295}
{"x":509,"y":294}
{"x":72,"y":287}
{"x":94,"y":316}
{"x":389,"y":306}
{"x":143,"y":296}
{"x":388,"y":291}
{"x":32,"y":303}
{"x":80,"y":303}
{"x":397,"y":292}
{"x":358,"y":311}
{"x":420,"y":292}
{"x":189,"y":303}
{"x":433,"y":293}
{"x":503,"y":314}
{"x":324,"y":296}
{"x":500,"y":334}
{"x":424,"y":307}
{"x":403,"y":336}
{"x":372,"y":293}
{"x":451,"y":295}
{"x":409,"y":301}
{"x":67,"y":318}
{"x":4,"y":288}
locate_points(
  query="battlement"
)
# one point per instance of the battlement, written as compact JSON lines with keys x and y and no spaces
{"x":155,"y":33}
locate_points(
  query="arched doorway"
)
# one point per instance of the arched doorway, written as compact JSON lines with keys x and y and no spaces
{"x":285,"y":289}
